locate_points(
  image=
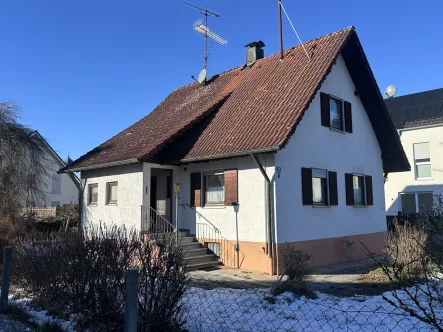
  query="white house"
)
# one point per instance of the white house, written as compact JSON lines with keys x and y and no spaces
{"x":276,"y":151}
{"x":418,"y":118}
{"x":59,"y":189}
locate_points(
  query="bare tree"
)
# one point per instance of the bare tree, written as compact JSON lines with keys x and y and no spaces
{"x":414,"y":265}
{"x":22,"y":163}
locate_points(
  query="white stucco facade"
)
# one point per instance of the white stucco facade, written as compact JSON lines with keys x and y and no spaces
{"x":407,"y":182}
{"x":63,"y":191}
{"x":127,"y":211}
{"x":320,"y":147}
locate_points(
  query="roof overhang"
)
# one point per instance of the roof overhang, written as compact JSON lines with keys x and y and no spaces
{"x":111,"y":164}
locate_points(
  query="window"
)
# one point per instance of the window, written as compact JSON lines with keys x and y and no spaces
{"x":359,"y":190}
{"x":30,"y":203}
{"x":112,"y":193}
{"x":93,"y":194}
{"x":358,"y":185}
{"x":419,"y":202}
{"x":422,"y":159}
{"x":336,"y":113}
{"x":55,"y":203}
{"x":56,"y":183}
{"x":319,"y":186}
{"x":214,"y":188}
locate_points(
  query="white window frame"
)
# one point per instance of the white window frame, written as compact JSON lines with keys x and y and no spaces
{"x":365,"y":199}
{"x":204,"y":183}
{"x":419,"y":163}
{"x":342,"y":113}
{"x":90,"y":186}
{"x":327,"y":201}
{"x":415,"y":193}
{"x":108,"y":193}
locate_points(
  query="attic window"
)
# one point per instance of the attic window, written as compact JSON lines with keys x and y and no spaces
{"x":336,"y":113}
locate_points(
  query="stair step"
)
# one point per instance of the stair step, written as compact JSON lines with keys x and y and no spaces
{"x":196,"y":252}
{"x":199,"y":259}
{"x":202,"y":265}
{"x":187,"y":239}
{"x":190,"y":246}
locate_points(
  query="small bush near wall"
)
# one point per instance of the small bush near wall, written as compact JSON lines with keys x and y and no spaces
{"x":82,"y":273}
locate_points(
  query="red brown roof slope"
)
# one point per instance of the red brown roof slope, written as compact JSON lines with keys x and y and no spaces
{"x":250,"y":108}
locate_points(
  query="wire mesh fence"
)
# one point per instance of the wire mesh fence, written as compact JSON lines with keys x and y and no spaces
{"x":210,"y":305}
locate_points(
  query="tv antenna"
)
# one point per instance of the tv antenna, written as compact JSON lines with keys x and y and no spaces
{"x":204,"y":30}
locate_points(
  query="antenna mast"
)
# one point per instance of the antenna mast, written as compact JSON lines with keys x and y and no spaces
{"x":280,"y":26}
{"x":207,"y":13}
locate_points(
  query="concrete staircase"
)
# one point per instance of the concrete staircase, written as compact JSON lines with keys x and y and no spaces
{"x":196,"y":256}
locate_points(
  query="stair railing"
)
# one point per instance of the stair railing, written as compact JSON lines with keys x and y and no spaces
{"x":154,"y":223}
{"x":210,"y":236}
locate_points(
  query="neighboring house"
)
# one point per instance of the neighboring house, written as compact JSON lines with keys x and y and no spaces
{"x":59,"y":189}
{"x":269,"y":153}
{"x":418,"y":118}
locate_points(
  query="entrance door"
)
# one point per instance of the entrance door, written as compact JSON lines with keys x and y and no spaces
{"x":153,"y":201}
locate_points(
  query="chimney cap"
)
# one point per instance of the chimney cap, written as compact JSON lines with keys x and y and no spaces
{"x":257,"y":43}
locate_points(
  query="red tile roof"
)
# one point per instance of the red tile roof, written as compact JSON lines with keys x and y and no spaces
{"x":250,"y":108}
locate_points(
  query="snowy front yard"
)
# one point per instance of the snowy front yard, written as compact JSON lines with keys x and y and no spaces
{"x":226,"y":309}
{"x":223,"y":309}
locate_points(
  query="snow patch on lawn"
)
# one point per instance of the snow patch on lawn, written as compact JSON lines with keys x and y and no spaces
{"x":224,"y":309}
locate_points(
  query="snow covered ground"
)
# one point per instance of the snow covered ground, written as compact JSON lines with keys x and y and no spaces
{"x":225,"y":309}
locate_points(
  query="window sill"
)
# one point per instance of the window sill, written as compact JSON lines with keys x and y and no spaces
{"x":112,"y":204}
{"x":424,"y":179}
{"x":337,"y":130}
{"x":320,"y":206}
{"x":91,"y":204}
{"x":214,"y":206}
{"x":360,"y":206}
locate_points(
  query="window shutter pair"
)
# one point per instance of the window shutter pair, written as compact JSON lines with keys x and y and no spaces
{"x":326,"y":115}
{"x":306,"y":184}
{"x":231,"y":188}
{"x":349,"y":184}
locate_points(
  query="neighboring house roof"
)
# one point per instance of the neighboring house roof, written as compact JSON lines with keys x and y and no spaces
{"x":244,"y":110}
{"x":74,"y":177}
{"x":417,"y":109}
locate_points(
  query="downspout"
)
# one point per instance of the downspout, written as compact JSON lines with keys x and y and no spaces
{"x":267,"y":203}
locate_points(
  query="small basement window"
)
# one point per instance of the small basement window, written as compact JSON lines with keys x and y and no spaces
{"x":214,"y":188}
{"x":112,"y":193}
{"x":93,"y":194}
{"x":319,"y":186}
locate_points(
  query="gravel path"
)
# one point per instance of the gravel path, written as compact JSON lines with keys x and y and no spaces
{"x":9,"y":325}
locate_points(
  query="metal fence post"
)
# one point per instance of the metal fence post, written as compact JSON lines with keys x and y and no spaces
{"x":131,"y":299}
{"x":7,"y":255}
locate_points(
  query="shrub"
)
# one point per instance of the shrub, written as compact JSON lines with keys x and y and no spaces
{"x":83,"y":273}
{"x":406,"y":247}
{"x":296,"y":271}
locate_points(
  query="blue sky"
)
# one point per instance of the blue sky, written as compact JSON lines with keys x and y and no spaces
{"x":84,"y":70}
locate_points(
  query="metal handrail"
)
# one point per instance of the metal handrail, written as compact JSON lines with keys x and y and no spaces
{"x":202,"y":216}
{"x":153,"y":222}
{"x":206,"y":233}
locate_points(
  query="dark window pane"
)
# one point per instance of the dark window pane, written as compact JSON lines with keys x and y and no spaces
{"x":336,"y":114}
{"x":425,"y":202}
{"x":408,"y":203}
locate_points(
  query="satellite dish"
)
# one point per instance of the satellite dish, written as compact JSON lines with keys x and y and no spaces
{"x":390,"y":91}
{"x":202,"y":76}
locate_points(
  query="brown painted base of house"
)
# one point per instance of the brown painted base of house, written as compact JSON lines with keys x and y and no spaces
{"x":253,"y":255}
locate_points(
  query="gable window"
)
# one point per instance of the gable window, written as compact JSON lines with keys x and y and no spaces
{"x":112,"y":193}
{"x":56,"y":184}
{"x":93,"y":194}
{"x":335,"y":113}
{"x":214,"y":187}
{"x":418,"y":202}
{"x":422,"y":160}
{"x":358,"y":189}
{"x":319,"y":187}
